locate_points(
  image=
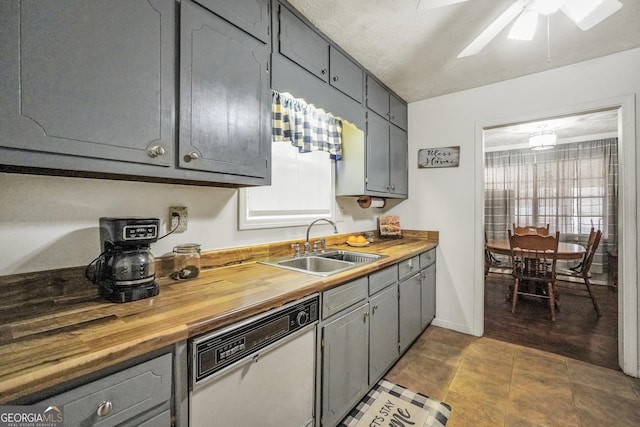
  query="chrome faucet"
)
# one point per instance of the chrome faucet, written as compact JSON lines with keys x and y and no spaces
{"x":335,"y":231}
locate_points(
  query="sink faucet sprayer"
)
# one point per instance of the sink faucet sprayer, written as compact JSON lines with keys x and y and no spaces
{"x":306,"y":242}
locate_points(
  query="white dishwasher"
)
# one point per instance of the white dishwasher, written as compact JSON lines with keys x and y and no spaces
{"x":259,"y":372}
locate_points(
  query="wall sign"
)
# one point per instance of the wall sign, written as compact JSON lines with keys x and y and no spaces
{"x":442,"y":157}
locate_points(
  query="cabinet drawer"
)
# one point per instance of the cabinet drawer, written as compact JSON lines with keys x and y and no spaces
{"x":408,"y":266}
{"x":337,"y":299}
{"x":131,"y":392}
{"x":381,"y":279}
{"x":427,"y":258}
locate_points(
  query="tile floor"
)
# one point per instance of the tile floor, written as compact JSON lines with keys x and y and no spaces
{"x":494,"y":383}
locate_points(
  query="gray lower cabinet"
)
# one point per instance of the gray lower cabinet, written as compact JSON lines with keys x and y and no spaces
{"x":410,"y":310}
{"x":88,"y":79}
{"x":383,"y":332}
{"x":225,"y":96}
{"x":136,"y":396}
{"x":344,"y":367}
{"x":428,"y":285}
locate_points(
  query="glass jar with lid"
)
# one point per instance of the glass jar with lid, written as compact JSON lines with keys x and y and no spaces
{"x":186,"y":261}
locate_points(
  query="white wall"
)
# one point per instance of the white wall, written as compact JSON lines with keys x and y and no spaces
{"x":52,"y":222}
{"x":444,"y":199}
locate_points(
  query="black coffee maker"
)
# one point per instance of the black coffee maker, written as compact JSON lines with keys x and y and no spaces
{"x":125,"y":271}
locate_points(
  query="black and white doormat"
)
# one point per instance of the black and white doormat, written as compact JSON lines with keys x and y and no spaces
{"x":389,"y":404}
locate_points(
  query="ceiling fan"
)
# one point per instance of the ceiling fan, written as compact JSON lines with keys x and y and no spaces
{"x":584,"y":13}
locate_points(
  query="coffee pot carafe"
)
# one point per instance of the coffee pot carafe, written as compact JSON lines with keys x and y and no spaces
{"x":125,"y":271}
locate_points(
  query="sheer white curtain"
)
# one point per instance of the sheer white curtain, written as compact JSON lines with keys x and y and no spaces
{"x":572,"y":187}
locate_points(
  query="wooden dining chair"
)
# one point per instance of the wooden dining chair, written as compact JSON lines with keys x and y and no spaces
{"x":531,"y":229}
{"x":489,"y":259}
{"x":534,"y":267}
{"x":582,"y":270}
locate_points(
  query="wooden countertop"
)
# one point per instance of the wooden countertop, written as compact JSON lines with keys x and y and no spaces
{"x":43,"y":347}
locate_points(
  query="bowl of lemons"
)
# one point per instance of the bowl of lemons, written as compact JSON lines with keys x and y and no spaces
{"x":357,"y":241}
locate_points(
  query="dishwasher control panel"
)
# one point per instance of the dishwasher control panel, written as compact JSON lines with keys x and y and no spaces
{"x":218,"y":350}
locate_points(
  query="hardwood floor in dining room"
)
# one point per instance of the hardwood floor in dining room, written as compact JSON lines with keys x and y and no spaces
{"x":577,"y":332}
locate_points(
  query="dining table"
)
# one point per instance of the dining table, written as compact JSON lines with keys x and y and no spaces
{"x":566,"y":251}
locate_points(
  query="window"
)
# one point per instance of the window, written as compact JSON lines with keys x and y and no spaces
{"x":572,"y":187}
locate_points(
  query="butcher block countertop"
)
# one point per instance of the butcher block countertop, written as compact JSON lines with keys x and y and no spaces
{"x":47,"y":342}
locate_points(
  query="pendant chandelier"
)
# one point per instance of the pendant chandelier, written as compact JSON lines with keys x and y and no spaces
{"x":543,"y":139}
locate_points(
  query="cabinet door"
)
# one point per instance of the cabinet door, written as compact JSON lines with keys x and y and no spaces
{"x":428,"y":297}
{"x":302,"y":45}
{"x":344,"y":364}
{"x":397,"y":112}
{"x":398,"y":162}
{"x":345,"y":75}
{"x":251,"y":16}
{"x":225,"y":96}
{"x":383,"y":332}
{"x":377,"y":153}
{"x":377,"y":97}
{"x":410,"y":314}
{"x":93,"y":79}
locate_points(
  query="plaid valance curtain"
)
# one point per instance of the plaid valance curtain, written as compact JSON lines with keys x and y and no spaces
{"x":307,"y":127}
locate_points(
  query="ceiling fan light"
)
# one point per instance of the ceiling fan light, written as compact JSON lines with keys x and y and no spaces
{"x":542,"y":140}
{"x":525,"y":26}
{"x":577,"y":10}
{"x":547,"y":7}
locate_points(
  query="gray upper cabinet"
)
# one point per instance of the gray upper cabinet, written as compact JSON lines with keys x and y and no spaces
{"x":89,"y":79}
{"x":377,"y":154}
{"x":302,"y":45}
{"x":345,"y":75}
{"x":386,"y":103}
{"x":397,"y":112}
{"x":398,"y":161}
{"x":225,"y":96}
{"x":377,"y":97}
{"x":387,"y":150}
{"x":251,"y":16}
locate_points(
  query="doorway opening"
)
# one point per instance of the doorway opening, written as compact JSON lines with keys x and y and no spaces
{"x":573,"y":187}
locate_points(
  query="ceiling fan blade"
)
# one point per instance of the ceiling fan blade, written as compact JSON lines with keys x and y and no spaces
{"x":599,"y":14}
{"x":496,"y":26}
{"x":433,"y":4}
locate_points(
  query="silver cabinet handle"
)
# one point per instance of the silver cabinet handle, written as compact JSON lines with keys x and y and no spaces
{"x":192,"y":156}
{"x":104,"y":409}
{"x":156,"y":150}
{"x":335,"y":78}
{"x":324,"y":71}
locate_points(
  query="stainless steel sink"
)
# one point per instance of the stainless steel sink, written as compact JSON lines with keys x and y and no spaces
{"x":324,"y":264}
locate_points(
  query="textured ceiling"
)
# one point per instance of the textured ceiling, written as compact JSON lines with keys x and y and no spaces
{"x":575,"y":128}
{"x":415,"y":52}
